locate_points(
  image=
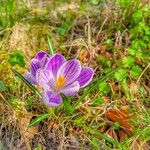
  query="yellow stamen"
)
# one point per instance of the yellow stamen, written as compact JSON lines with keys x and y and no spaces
{"x":60,"y":81}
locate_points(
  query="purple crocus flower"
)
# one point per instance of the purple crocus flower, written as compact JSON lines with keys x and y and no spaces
{"x":37,"y":63}
{"x":61,"y":76}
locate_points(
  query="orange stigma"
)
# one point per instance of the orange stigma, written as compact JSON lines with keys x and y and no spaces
{"x":60,"y":81}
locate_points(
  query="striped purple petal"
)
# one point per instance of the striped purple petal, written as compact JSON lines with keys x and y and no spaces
{"x":70,"y":70}
{"x":51,"y":98}
{"x":45,"y":79}
{"x":30,"y":78}
{"x":71,"y":89}
{"x":85,"y":77}
{"x":54,"y":63}
{"x":34,"y":66}
{"x":39,"y":56}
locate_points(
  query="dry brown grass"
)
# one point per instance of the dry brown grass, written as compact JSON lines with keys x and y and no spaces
{"x":26,"y":38}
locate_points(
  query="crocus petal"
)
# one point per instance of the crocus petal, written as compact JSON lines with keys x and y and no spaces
{"x":30,"y":78}
{"x":85,"y":77}
{"x":43,"y":62}
{"x":45,"y":79}
{"x":51,"y":99}
{"x":54,"y":63}
{"x":71,"y":89}
{"x":34,"y":66}
{"x":70,"y":70}
{"x":39,"y":56}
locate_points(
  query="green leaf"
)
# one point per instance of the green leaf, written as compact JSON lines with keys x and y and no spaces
{"x":39,"y":147}
{"x":134,"y":52}
{"x":104,"y":61}
{"x":94,"y":86}
{"x":116,"y":125}
{"x":137,"y":16}
{"x":26,"y":82}
{"x":39,"y":119}
{"x":135,"y":71}
{"x":108,"y":42}
{"x":50,"y":46}
{"x":98,"y":101}
{"x":16,"y":58}
{"x":126,"y":89}
{"x":104,"y":88}
{"x":128,"y":61}
{"x":121,"y":74}
{"x":92,"y":131}
{"x":2,"y":86}
{"x":68,"y":107}
{"x":79,"y":121}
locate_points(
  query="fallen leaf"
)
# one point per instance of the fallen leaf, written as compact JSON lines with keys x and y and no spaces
{"x":112,"y":133}
{"x":121,"y":116}
{"x":84,"y":55}
{"x":122,"y":135}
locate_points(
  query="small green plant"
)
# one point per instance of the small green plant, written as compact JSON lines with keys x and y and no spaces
{"x":135,"y":71}
{"x":16,"y":58}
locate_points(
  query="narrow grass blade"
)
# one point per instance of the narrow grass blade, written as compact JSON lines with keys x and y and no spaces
{"x":50,"y":46}
{"x":94,"y":132}
{"x":39,"y":119}
{"x":26,"y":82}
{"x":95,"y":85}
{"x":93,"y":142}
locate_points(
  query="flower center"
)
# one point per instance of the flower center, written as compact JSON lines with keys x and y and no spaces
{"x":60,"y":81}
